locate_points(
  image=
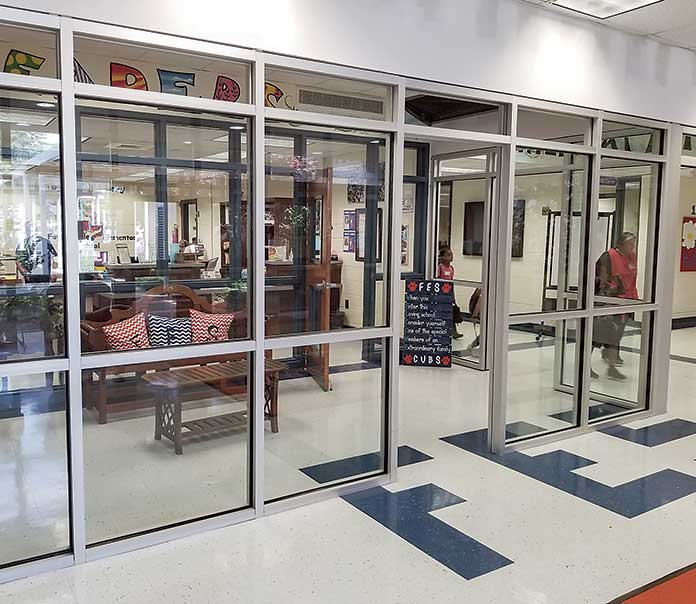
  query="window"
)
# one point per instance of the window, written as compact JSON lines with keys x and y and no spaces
{"x":29,"y":52}
{"x":557,"y":127}
{"x":33,"y":467}
{"x":624,"y":241}
{"x":320,"y":93}
{"x":340,"y":406}
{"x":32,"y":321}
{"x":171,"y":72}
{"x":166,"y":442}
{"x":326,"y":228}
{"x":426,"y":109}
{"x":628,"y":137}
{"x":163,"y":206}
{"x":549,"y":221}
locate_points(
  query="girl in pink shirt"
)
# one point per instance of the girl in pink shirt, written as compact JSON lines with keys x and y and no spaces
{"x":445,"y":271}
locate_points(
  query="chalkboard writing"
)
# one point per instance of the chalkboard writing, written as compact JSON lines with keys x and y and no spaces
{"x":428,"y":324}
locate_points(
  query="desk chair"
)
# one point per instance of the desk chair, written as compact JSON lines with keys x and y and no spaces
{"x":210,"y":265}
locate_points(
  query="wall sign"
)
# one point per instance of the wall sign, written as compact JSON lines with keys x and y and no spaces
{"x":688,"y":245}
{"x":428,"y":324}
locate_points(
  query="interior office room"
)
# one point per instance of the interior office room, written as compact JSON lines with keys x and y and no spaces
{"x":206,"y":243}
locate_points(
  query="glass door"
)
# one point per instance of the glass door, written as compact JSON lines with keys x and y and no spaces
{"x":465,"y":189}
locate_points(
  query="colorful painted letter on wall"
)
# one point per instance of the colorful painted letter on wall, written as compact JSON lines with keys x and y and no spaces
{"x":124,"y":76}
{"x":175,"y":82}
{"x":80,"y":74}
{"x":21,"y":62}
{"x":226,"y":89}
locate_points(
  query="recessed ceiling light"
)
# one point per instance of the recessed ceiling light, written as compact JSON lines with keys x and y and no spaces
{"x":603,"y":9}
{"x":45,"y":104}
{"x":187,"y":143}
{"x":375,"y":142}
{"x":236,"y":127}
{"x":317,"y":153}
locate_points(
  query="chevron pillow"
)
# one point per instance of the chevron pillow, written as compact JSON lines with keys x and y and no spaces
{"x":207,"y":327}
{"x":165,"y":331}
{"x":128,"y":334}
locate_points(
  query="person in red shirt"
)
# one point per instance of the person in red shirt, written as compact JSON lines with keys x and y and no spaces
{"x":616,"y":275}
{"x":445,"y":271}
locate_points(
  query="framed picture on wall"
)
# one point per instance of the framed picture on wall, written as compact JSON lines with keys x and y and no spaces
{"x":474,"y":220}
{"x":361,"y":232}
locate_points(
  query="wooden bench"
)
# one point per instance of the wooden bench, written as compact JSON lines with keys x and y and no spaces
{"x":169,"y":300}
{"x":168,"y":409}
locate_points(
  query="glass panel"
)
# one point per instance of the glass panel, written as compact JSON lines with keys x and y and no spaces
{"x":410,"y":161}
{"x":330,"y":420}
{"x":408,"y":226}
{"x":426,"y":109}
{"x":689,"y":145}
{"x":541,"y":392}
{"x":319,"y":93}
{"x":622,"y":247}
{"x":113,"y":136}
{"x":98,"y":61}
{"x":619,"y":371}
{"x":32,"y":320}
{"x":28,"y":51}
{"x":466,"y":342}
{"x":557,"y":127}
{"x":165,"y":443}
{"x":327,"y":235}
{"x":34,"y":495}
{"x":468,"y":216}
{"x":627,"y":137}
{"x":163,"y":242}
{"x":551,"y":197}
{"x":197,"y":143}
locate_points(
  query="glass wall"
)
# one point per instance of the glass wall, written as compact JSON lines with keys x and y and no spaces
{"x":549,"y":231}
{"x":542,"y":377}
{"x":34,"y":491}
{"x":32,"y":322}
{"x":163,"y":202}
{"x":172,"y":318}
{"x":327,"y":220}
{"x":176,"y":445}
{"x":326,"y":435}
{"x":623,"y":247}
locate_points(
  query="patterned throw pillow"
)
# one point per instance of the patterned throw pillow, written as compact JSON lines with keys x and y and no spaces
{"x":164,"y":331}
{"x":207,"y":327}
{"x":128,"y":334}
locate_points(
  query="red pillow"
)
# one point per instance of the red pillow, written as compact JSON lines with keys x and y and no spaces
{"x":128,"y":334}
{"x":207,"y":327}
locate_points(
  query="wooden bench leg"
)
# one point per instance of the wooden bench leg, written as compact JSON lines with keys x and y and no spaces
{"x":271,"y":396}
{"x":101,"y":397}
{"x":168,"y":420}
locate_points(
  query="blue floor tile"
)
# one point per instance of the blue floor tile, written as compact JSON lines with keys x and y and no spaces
{"x":341,"y":469}
{"x":657,"y":434}
{"x":407,"y":514}
{"x":555,"y":469}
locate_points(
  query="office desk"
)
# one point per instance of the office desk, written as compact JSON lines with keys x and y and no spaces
{"x":177,"y":270}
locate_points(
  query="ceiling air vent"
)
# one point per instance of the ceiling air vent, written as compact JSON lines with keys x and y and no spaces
{"x":338,"y":101}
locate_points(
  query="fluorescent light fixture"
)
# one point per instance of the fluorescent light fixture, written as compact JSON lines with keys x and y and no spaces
{"x":188,"y":143}
{"x":23,"y":124}
{"x":47,"y":105}
{"x":603,"y":9}
{"x":236,"y":127}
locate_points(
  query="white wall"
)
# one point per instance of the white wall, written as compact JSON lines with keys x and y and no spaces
{"x":502,"y":45}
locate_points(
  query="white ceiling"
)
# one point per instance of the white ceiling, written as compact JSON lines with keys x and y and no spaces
{"x":670,"y":21}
